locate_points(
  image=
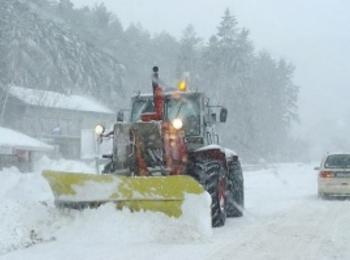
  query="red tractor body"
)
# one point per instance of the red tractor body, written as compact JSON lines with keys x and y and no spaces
{"x":173,"y":133}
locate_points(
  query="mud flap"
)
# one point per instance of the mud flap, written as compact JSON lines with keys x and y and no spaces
{"x":157,"y":193}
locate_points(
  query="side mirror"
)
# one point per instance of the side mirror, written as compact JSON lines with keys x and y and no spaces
{"x":223,"y":115}
{"x":120,"y":116}
{"x":317,"y":168}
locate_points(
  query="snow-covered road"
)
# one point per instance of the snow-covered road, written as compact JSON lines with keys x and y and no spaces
{"x":283,"y":219}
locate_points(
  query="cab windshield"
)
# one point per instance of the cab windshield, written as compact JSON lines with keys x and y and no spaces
{"x":140,"y":106}
{"x":188,"y":110}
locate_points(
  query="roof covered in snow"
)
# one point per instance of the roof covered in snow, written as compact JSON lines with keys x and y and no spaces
{"x":13,"y":139}
{"x":53,"y":99}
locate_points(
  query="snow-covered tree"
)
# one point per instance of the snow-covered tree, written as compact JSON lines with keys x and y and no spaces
{"x":189,"y":54}
{"x":39,"y":52}
{"x":52,"y":45}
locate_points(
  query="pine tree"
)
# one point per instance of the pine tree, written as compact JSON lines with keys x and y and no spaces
{"x":101,"y":16}
{"x":88,"y":51}
{"x":227,"y":30}
{"x":65,"y":9}
{"x":165,"y":59}
{"x":188,"y":58}
{"x":227,"y":57}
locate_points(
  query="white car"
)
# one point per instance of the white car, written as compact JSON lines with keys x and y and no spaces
{"x":334,"y":175}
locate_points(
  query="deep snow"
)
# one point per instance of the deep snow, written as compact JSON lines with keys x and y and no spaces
{"x":283,"y":219}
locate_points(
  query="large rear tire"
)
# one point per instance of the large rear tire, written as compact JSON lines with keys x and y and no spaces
{"x":216,"y":188}
{"x":211,"y":175}
{"x":235,"y":197}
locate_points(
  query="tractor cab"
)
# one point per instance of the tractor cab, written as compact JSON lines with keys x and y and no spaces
{"x":189,"y":112}
{"x":183,"y":110}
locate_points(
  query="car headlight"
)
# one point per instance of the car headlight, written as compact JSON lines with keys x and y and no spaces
{"x":99,"y":129}
{"x":177,"y":123}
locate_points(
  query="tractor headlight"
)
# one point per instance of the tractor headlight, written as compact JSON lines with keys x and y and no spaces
{"x":177,"y":123}
{"x":99,"y":129}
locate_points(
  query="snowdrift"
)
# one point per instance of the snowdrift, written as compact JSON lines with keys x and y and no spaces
{"x":29,"y":216}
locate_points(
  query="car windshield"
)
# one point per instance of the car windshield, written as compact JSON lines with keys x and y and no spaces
{"x":141,"y":106}
{"x":338,"y":161}
{"x":188,"y":110}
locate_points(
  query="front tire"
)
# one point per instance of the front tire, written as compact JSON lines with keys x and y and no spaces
{"x":216,"y":188}
{"x":235,"y":198}
{"x":211,"y":174}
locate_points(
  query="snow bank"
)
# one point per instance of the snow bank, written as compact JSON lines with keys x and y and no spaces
{"x":23,"y":209}
{"x":124,"y":227}
{"x":29,"y":217}
{"x":196,"y":214}
{"x":24,"y":224}
{"x":283,"y":219}
{"x":63,"y":165}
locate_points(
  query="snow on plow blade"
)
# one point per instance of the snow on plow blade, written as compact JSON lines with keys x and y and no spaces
{"x":161,"y":194}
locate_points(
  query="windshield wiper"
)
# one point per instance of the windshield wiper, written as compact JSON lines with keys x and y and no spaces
{"x":179,"y":110}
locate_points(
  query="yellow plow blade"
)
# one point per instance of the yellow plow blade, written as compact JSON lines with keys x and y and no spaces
{"x":162,"y":194}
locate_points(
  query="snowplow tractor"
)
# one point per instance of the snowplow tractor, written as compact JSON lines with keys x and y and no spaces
{"x":168,"y":149}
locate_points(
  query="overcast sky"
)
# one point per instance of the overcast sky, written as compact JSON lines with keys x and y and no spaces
{"x":313,"y":34}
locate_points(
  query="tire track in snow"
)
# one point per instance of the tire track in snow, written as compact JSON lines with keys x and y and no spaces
{"x":312,"y":229}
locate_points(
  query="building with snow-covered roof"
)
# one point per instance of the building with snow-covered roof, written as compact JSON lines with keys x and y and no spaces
{"x":53,"y":117}
{"x":50,"y":99}
{"x":15,"y":140}
{"x":18,"y":149}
